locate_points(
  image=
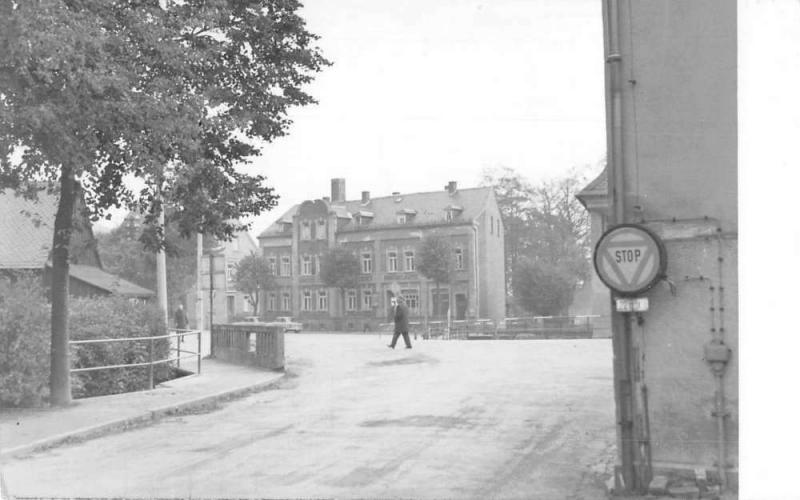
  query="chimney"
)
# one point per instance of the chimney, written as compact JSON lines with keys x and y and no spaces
{"x":451,"y":187}
{"x":337,"y":190}
{"x":365,"y":197}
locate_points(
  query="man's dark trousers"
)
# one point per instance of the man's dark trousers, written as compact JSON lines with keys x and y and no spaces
{"x":405,"y":339}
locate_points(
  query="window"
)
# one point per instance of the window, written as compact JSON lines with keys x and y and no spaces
{"x":316,"y":265}
{"x":305,"y":269}
{"x":352,"y":300}
{"x":321,"y":229}
{"x":392,"y":261}
{"x":448,"y":215}
{"x":366,"y":263}
{"x":286,"y":266}
{"x":305,"y":230}
{"x":287,"y":302}
{"x":412,"y":298}
{"x":272,"y":302}
{"x":366,"y":299}
{"x":272,"y":263}
{"x":409,"y":260}
{"x":246,"y":304}
{"x":307,"y":302}
{"x":401,"y":218}
{"x":322,"y":300}
{"x":459,"y":258}
{"x":230,"y":271}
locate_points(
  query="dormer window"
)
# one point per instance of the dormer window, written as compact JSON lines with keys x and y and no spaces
{"x":305,"y":230}
{"x":451,"y":212}
{"x":405,"y":215}
{"x":287,"y":227}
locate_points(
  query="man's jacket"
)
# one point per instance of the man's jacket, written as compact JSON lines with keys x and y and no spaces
{"x":401,"y":318}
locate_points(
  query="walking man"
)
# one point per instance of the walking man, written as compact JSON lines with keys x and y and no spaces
{"x":400,"y":322}
{"x":180,"y":318}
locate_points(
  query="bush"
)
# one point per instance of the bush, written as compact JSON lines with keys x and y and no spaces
{"x":115,"y":317}
{"x":24,"y":342}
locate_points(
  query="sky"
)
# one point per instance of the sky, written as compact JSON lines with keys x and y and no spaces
{"x":422,"y":93}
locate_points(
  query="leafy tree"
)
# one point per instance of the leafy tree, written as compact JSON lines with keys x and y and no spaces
{"x":125,"y":251}
{"x":253,"y":275}
{"x":173,"y":93}
{"x":543,"y":289}
{"x":435,"y":261}
{"x":339,"y":268}
{"x":547,"y":231}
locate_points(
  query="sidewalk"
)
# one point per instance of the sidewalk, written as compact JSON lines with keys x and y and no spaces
{"x":25,"y":430}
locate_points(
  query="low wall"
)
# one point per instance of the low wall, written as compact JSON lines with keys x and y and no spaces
{"x":259,"y":345}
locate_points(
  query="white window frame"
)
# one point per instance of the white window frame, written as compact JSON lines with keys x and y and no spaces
{"x":322,"y":300}
{"x":286,"y":265}
{"x":459,"y":258}
{"x":272,"y":302}
{"x":366,"y":299}
{"x":351,"y":300}
{"x":272,"y":263}
{"x":308,"y":301}
{"x":305,"y":230}
{"x":411,"y":297}
{"x":286,"y":301}
{"x":402,"y":219}
{"x":321,"y":229}
{"x":391,"y":261}
{"x":366,"y":263}
{"x":305,"y":265}
{"x":408,"y":260}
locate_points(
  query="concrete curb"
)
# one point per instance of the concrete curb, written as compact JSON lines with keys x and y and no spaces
{"x":147,"y":417}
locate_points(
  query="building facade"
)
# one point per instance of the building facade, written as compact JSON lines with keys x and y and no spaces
{"x":220,"y":301}
{"x":671,"y":107}
{"x":385,"y":235}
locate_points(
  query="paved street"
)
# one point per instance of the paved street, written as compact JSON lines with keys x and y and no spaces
{"x":354,"y":419}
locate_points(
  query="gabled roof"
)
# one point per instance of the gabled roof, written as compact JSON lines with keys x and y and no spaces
{"x":26,"y":231}
{"x":109,"y":282}
{"x":429,"y":208}
{"x":598,"y":187}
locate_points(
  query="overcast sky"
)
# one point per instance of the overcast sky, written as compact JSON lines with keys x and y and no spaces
{"x":425,"y":92}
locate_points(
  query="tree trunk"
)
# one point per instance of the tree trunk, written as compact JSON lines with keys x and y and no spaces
{"x":60,"y":393}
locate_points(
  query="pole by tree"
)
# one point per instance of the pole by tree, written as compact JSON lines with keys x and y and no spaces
{"x":339,"y":269}
{"x":252,"y":276}
{"x":176,"y":94}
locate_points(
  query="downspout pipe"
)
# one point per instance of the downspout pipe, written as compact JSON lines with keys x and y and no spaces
{"x":616,"y":171}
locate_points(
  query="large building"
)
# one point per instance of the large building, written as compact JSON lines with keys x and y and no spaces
{"x":385,"y":234}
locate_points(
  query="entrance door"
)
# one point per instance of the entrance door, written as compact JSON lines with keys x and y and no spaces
{"x":440,"y":303}
{"x":461,"y":306}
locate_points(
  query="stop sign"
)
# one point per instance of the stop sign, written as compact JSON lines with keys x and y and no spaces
{"x":630,"y":259}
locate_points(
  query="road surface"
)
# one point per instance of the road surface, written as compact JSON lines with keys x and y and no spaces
{"x":354,"y":419}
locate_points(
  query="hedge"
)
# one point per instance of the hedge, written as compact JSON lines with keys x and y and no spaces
{"x":25,"y":343}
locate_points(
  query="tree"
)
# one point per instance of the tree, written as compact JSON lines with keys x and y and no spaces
{"x":547,"y":234}
{"x":252,"y":275}
{"x":173,"y":93}
{"x":339,"y":268}
{"x":543,"y":289}
{"x":435,"y":261}
{"x":125,"y":252}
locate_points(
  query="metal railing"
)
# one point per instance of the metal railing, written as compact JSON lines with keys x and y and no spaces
{"x":151,"y":363}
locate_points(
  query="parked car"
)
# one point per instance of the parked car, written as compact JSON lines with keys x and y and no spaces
{"x":288,"y":324}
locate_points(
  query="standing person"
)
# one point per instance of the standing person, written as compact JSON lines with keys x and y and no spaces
{"x":400,"y":322}
{"x":180,"y":318}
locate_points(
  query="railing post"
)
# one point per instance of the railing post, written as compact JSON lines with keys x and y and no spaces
{"x":179,"y":347}
{"x":150,"y":383}
{"x":199,"y":348}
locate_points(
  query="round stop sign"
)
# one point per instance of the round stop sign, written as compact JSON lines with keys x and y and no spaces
{"x":630,"y":259}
